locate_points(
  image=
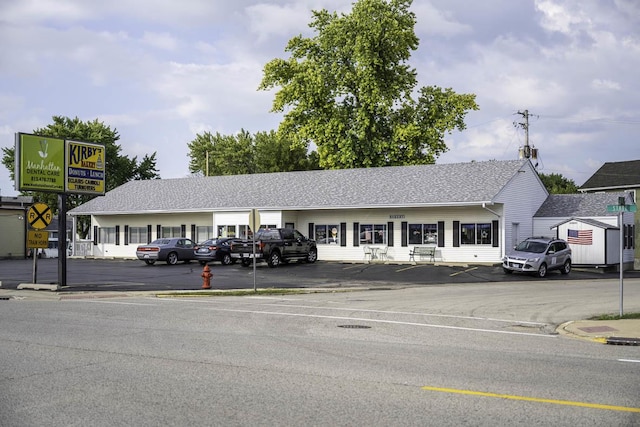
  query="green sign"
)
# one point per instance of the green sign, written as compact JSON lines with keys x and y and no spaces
{"x":40,"y":163}
{"x":622,"y":208}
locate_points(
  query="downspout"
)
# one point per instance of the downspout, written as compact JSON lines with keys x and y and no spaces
{"x":502,"y":248}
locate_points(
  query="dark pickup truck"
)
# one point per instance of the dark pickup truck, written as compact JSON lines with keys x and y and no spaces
{"x":275,"y":246}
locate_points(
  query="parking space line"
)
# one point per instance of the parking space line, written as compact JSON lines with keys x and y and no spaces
{"x":408,"y":268}
{"x":463,"y":271}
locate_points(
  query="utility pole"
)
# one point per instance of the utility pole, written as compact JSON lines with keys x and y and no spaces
{"x":525,"y":126}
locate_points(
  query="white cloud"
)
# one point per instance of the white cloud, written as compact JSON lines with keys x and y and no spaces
{"x":162,"y":71}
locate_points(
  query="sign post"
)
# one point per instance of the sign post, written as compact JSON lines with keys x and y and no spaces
{"x":254,"y":224}
{"x":39,"y":217}
{"x":621,"y":208}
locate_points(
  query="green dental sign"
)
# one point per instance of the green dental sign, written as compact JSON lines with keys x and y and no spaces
{"x":40,"y":161}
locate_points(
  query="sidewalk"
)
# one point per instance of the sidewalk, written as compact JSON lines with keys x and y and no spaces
{"x":620,"y":332}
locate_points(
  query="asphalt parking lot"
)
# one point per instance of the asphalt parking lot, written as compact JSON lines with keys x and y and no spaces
{"x":133,"y":275}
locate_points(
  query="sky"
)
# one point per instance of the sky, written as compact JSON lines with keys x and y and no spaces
{"x":160,"y":72}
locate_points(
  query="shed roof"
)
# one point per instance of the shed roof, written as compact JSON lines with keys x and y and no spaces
{"x":591,"y":222}
{"x":578,"y":205}
{"x":422,"y":185}
{"x":614,"y":175}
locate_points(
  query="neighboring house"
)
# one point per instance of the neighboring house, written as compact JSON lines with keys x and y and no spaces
{"x":593,"y":233}
{"x":13,"y":226}
{"x":617,"y":177}
{"x":469,"y":211}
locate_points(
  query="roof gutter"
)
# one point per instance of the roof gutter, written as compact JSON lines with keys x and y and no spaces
{"x":484,"y":206}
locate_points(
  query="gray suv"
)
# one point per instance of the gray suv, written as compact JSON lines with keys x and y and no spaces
{"x":538,"y":255}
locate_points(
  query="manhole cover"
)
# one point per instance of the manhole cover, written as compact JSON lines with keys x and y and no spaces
{"x":354,"y":326}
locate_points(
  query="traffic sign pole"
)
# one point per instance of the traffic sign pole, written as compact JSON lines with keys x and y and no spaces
{"x":621,"y":224}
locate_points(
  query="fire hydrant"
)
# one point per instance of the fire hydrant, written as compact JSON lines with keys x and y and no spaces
{"x":206,"y":276}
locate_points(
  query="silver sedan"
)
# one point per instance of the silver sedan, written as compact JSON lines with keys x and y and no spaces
{"x":170,"y":250}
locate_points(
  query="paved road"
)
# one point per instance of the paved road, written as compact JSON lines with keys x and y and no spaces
{"x":481,"y":354}
{"x":132,"y":275}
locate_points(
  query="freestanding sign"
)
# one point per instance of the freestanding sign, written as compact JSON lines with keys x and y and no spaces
{"x":39,"y":163}
{"x":58,"y":166}
{"x":85,"y":167}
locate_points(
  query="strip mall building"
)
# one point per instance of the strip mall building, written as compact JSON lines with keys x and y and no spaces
{"x":471,"y":212}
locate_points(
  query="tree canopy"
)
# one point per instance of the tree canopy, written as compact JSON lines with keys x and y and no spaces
{"x":244,"y":153}
{"x":349,"y":90}
{"x":555,"y":183}
{"x":118,"y":168}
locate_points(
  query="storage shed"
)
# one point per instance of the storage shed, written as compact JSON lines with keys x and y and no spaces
{"x":593,"y":243}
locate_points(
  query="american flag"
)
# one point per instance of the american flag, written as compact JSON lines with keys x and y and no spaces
{"x":580,"y":237}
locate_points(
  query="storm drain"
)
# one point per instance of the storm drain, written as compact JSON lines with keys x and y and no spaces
{"x":354,"y":326}
{"x":623,"y":341}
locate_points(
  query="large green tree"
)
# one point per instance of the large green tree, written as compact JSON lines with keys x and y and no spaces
{"x":244,"y":153}
{"x":555,"y":183}
{"x":350,"y":91}
{"x":118,"y":168}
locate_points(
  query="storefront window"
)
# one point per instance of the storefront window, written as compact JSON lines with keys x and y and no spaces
{"x":475,"y":234}
{"x":138,"y":235}
{"x":373,"y":234}
{"x":327,"y":234}
{"x":108,"y":235}
{"x":168,"y":232}
{"x":422,"y":234}
{"x":227,"y":231}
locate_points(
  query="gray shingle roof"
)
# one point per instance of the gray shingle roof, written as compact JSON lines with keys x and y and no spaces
{"x":615,"y":175}
{"x":578,"y":205}
{"x":444,"y":184}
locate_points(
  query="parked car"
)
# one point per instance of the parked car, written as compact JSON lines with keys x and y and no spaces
{"x":214,"y":250}
{"x":539,"y":255}
{"x":275,"y":246}
{"x":170,"y":250}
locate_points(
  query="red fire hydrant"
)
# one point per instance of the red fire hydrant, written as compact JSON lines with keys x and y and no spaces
{"x":206,"y":276}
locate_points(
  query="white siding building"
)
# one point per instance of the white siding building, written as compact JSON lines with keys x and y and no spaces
{"x":469,"y":211}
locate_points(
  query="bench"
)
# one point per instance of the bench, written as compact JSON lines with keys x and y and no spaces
{"x":422,"y":252}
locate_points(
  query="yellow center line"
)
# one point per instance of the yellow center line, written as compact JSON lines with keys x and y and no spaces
{"x":464,"y":271}
{"x":533,"y":399}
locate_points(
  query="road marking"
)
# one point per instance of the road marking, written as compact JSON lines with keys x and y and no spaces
{"x":118,"y":302}
{"x":408,"y":268}
{"x":463,"y":271}
{"x":364,"y":310}
{"x":629,"y":360}
{"x":534,"y":399}
{"x":392,"y":322}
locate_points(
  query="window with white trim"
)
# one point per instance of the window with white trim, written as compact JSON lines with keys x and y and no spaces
{"x":326,"y":234}
{"x":107,"y":235}
{"x":138,"y":235}
{"x":372,"y":234}
{"x":475,"y":234}
{"x":422,"y":234}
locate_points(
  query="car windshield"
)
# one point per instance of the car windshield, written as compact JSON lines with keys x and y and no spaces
{"x":530,"y":246}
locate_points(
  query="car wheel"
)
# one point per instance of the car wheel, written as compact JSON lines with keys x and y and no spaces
{"x":149,"y":261}
{"x":274,"y":259}
{"x":507,"y":271}
{"x":312,"y":256}
{"x":227,"y":260}
{"x":542,"y":271}
{"x":172,"y":258}
{"x":566,"y":268}
{"x":246,"y":262}
{"x":203,"y":262}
